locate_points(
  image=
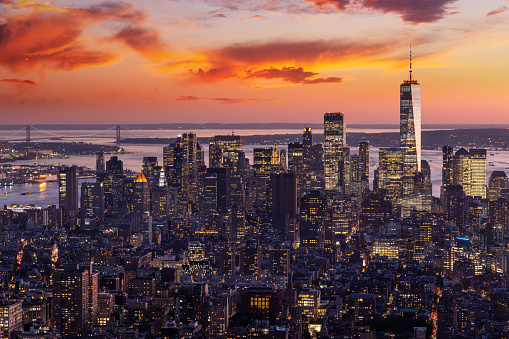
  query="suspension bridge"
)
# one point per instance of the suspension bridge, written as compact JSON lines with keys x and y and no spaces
{"x":47,"y":135}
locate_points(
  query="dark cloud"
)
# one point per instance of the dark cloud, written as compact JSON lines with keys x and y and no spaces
{"x":112,"y":10}
{"x":415,"y":11}
{"x":295,"y":75}
{"x":187,"y":98}
{"x":326,"y":80}
{"x":301,"y":51}
{"x":219,"y":16}
{"x":223,"y":101}
{"x":213,"y":74}
{"x":20,"y":81}
{"x":145,"y":41}
{"x":498,"y":11}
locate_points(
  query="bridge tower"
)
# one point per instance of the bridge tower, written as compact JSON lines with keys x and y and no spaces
{"x":118,"y":134}
{"x":27,"y":131}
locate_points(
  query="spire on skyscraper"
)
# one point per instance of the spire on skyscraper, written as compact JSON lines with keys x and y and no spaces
{"x":410,"y":63}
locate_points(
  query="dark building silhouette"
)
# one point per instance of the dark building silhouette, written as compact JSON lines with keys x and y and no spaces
{"x":216,"y":189}
{"x":68,"y":194}
{"x":313,"y":215}
{"x":284,"y":197}
{"x":115,"y":166}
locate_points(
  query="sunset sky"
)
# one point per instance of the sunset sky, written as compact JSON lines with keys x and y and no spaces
{"x":165,"y":61}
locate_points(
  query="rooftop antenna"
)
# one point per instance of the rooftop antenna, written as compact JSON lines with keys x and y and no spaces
{"x":410,"y":62}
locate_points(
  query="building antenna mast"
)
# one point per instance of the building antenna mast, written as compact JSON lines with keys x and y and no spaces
{"x":410,"y":63}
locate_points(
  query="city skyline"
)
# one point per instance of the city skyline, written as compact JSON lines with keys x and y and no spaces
{"x":233,"y":61}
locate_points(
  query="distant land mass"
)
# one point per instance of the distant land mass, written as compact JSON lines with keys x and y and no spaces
{"x":193,"y":127}
{"x":491,"y":138}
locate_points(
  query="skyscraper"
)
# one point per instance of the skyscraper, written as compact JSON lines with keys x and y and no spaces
{"x":148,"y":165}
{"x":498,"y":184}
{"x":216,"y":188}
{"x":92,"y":200}
{"x":469,"y":171}
{"x":364,"y":159}
{"x":182,"y":163}
{"x":295,"y":164}
{"x":410,"y":129}
{"x":390,"y":172}
{"x":115,"y":166}
{"x":100,"y":162}
{"x":410,"y":121}
{"x":284,"y":197}
{"x":141,"y":195}
{"x":313,"y":213}
{"x":333,"y":142}
{"x":70,"y":314}
{"x":68,"y":192}
{"x":262,"y":162}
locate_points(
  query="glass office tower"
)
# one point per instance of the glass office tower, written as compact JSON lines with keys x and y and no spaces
{"x":410,"y":129}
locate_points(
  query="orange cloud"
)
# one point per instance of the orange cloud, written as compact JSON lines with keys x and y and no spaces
{"x":20,"y":81}
{"x":287,"y":60}
{"x":47,"y":39}
{"x":263,"y":17}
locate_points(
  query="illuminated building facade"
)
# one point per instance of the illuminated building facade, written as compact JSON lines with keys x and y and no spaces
{"x":309,"y":301}
{"x":387,"y":248}
{"x":92,"y":200}
{"x":279,"y":262}
{"x":390,"y":172}
{"x":295,"y":164}
{"x":68,"y":193}
{"x":262,"y":162}
{"x":141,"y":193}
{"x":334,"y":141}
{"x":469,"y":171}
{"x":70,"y":309}
{"x":498,"y":185}
{"x":263,"y":300}
{"x":313,"y":213}
{"x":11,"y":318}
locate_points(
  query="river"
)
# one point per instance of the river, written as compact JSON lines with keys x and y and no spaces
{"x":48,"y":194}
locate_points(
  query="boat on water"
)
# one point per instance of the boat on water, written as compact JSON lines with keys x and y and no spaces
{"x":491,"y":163}
{"x":5,"y":182}
{"x":25,"y":193}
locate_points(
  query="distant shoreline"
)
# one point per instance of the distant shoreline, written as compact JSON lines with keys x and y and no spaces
{"x":477,"y":138}
{"x":233,"y":126}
